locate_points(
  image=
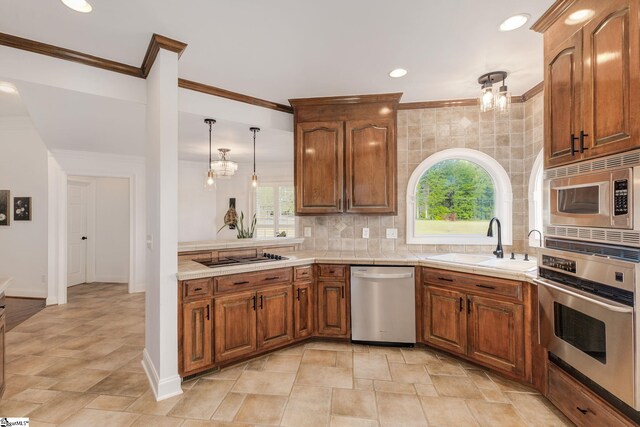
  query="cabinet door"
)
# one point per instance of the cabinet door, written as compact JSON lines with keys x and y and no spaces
{"x":235,"y":327}
{"x":496,"y":333}
{"x":332,"y":309}
{"x":563,"y":91}
{"x":319,"y":167}
{"x":370,"y":156}
{"x":197,"y":340}
{"x":611,"y":80}
{"x":275,"y":317}
{"x":444,"y":318}
{"x":303,"y":310}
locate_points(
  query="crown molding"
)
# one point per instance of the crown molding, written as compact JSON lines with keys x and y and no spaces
{"x":532,"y":92}
{"x":466,"y":102}
{"x":345,"y":100}
{"x":159,"y":42}
{"x":68,"y":55}
{"x":234,"y":96}
{"x":551,"y":15}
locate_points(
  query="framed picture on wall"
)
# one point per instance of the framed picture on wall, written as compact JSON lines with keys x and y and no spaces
{"x":22,"y":208}
{"x":4,"y":207}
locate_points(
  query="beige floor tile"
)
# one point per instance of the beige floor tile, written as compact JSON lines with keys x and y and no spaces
{"x":371,"y":366}
{"x":393,"y":387}
{"x":202,"y":400}
{"x":81,"y":381}
{"x":200,"y":423}
{"x":537,"y":410}
{"x":344,"y":359}
{"x":481,"y":379}
{"x":34,"y":395}
{"x":110,"y":403}
{"x":445,"y":367}
{"x":451,"y":386}
{"x":61,"y":407}
{"x":64,"y":367}
{"x":230,"y":373}
{"x":325,"y":376}
{"x":319,"y":358}
{"x":418,"y":356}
{"x":97,"y":417}
{"x":411,"y":374}
{"x":33,"y":423}
{"x":147,"y":404}
{"x":256,"y":364}
{"x":31,"y":365}
{"x":354,"y":403}
{"x":14,"y":408}
{"x":447,"y":411}
{"x":362,"y":384}
{"x":229,"y":407}
{"x":157,"y":421}
{"x":505,"y":384}
{"x":262,"y":382}
{"x":261,"y":409}
{"x":328,"y":345}
{"x":308,"y":406}
{"x":16,"y":384}
{"x":426,"y":390}
{"x":399,"y":410}
{"x":338,"y":421}
{"x":495,"y":396}
{"x":291,"y":351}
{"x":122,"y":384}
{"x":494,"y":414}
{"x":282,"y":363}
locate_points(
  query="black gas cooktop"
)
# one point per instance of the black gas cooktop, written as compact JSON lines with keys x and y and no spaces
{"x":265,"y":257}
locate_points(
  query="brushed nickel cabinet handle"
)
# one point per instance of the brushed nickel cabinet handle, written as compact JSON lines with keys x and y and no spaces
{"x":485,"y":286}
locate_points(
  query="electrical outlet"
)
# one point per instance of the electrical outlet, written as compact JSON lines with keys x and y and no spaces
{"x":365,"y":233}
{"x":307,"y":232}
{"x":392,"y":233}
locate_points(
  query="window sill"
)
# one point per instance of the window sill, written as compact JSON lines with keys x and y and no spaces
{"x":457,"y":240}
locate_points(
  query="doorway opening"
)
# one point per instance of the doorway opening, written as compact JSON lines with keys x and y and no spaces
{"x":98,"y":230}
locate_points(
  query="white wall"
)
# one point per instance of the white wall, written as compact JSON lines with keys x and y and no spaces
{"x":23,"y":244}
{"x":112,"y":230}
{"x":196,"y":207}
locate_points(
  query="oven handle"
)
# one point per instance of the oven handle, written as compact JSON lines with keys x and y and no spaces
{"x":582,"y":297}
{"x":382,"y":275}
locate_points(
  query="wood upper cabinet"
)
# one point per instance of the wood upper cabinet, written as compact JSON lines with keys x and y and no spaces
{"x":302,"y":310}
{"x":235,"y":326}
{"x":275,"y":316}
{"x":197,"y":339}
{"x":332,"y":308}
{"x":592,"y":81}
{"x":345,"y":154}
{"x":370,"y":157}
{"x":444,"y":318}
{"x":496,"y":333}
{"x":319,"y":168}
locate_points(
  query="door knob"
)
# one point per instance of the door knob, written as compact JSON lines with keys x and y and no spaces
{"x":84,"y":237}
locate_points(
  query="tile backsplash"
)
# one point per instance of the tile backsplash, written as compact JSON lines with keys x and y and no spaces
{"x":514,"y":141}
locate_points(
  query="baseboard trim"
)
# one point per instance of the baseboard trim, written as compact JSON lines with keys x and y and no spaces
{"x":112,"y":279}
{"x":162,"y":389}
{"x":25,"y":293}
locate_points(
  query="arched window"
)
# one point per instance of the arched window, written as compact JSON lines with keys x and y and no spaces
{"x":535,"y":200}
{"x":453,"y":194}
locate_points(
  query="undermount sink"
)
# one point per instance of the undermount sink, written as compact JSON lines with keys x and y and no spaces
{"x":461,"y":258}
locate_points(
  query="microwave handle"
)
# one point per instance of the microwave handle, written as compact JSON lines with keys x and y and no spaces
{"x":576,"y":295}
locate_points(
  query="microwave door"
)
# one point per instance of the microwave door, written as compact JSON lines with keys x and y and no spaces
{"x":581,"y":204}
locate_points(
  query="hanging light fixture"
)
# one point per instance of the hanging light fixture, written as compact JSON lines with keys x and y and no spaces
{"x":490,"y":100}
{"x":254,"y":177}
{"x":209,"y":182}
{"x":224,"y":168}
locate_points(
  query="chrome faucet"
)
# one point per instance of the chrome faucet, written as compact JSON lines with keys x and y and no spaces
{"x":537,"y":231}
{"x":499,"y":253}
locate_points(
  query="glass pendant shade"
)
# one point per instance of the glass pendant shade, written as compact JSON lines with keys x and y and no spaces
{"x":254,"y":180}
{"x":503,"y":101}
{"x":224,"y":168}
{"x":487,"y":99}
{"x":209,"y":181}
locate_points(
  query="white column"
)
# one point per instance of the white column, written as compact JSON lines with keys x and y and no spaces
{"x":160,"y":358}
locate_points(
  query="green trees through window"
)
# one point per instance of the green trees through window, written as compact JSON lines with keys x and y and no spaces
{"x":454,"y":197}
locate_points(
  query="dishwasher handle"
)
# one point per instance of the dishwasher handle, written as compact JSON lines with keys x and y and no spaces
{"x":365,"y":275}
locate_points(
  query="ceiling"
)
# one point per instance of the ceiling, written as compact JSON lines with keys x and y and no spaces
{"x":291,"y":48}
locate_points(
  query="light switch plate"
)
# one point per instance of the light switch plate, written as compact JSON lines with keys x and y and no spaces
{"x":149,"y":242}
{"x":392,"y":233}
{"x":365,"y":233}
{"x":307,"y":232}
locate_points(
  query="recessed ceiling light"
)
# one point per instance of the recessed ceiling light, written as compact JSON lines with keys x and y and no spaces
{"x":78,"y":5}
{"x":6,"y":87}
{"x":579,"y":16}
{"x":398,"y":72}
{"x":514,"y":22}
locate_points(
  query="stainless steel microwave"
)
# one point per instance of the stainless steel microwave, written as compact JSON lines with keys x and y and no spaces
{"x":601,"y":199}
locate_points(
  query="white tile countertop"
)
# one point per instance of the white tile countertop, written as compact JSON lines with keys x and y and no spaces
{"x":205,"y":245}
{"x":505,"y":268}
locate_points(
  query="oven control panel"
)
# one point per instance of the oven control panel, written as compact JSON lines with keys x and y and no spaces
{"x":559,"y":263}
{"x":620,"y":197}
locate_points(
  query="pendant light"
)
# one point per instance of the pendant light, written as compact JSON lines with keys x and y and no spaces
{"x":254,"y":177}
{"x":210,"y":183}
{"x":501,"y":101}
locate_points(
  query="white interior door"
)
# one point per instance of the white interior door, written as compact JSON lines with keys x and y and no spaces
{"x":76,"y":233}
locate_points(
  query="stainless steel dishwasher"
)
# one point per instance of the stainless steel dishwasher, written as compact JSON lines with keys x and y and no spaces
{"x":383,"y":305}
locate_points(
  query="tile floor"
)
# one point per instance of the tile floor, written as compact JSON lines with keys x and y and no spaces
{"x":79,"y":365}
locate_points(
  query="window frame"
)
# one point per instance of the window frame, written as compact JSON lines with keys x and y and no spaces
{"x":276,"y":185}
{"x":503,"y":193}
{"x":536,"y":198}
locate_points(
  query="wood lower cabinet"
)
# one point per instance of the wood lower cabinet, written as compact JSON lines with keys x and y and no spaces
{"x":444,"y":318}
{"x":303,"y":310}
{"x":275,"y":317}
{"x":198,"y":328}
{"x":332,"y":309}
{"x":235,"y":326}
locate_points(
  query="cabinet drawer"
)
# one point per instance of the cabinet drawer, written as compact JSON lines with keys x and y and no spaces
{"x":242,"y":281}
{"x":578,"y":403}
{"x":473,"y":283}
{"x":195,"y":256}
{"x":196,"y":288}
{"x":332,"y":271}
{"x":303,"y":273}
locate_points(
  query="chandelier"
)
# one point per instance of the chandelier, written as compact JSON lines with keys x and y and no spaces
{"x":224,"y":167}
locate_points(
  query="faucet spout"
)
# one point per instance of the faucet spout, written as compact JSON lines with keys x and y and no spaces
{"x":539,"y":233}
{"x":499,"y":253}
